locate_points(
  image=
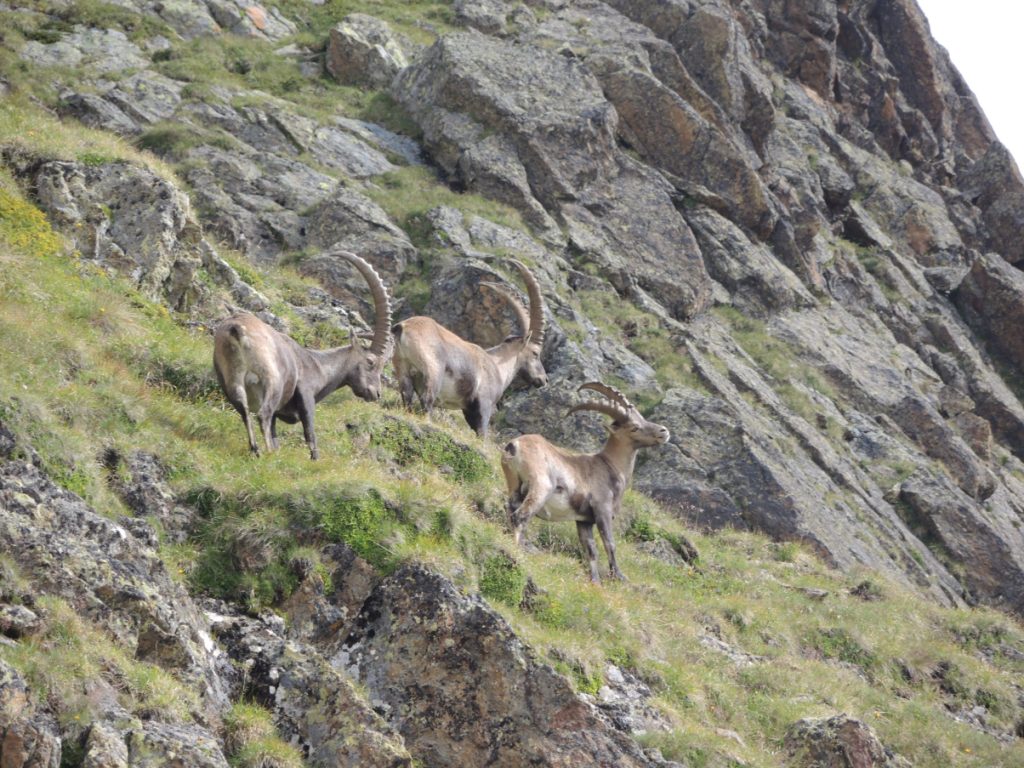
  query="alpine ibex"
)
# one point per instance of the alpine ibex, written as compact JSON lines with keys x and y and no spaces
{"x":268,"y":372}
{"x":557,"y":485}
{"x":446,"y":370}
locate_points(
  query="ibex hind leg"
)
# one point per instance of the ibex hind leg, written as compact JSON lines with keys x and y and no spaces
{"x":406,"y":386}
{"x":533,"y":502}
{"x":266,"y":419}
{"x":476,"y":418}
{"x":516,"y":494}
{"x":427,"y":390}
{"x":240,"y":403}
{"x":273,"y":431}
{"x":407,"y":391}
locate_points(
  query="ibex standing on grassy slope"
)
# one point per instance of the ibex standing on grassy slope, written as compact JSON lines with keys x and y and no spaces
{"x":265,"y":371}
{"x":445,"y":370}
{"x":554,"y":484}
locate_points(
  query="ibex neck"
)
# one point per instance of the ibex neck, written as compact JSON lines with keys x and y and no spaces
{"x":505,"y":357}
{"x":620,"y":452}
{"x":330,"y":368}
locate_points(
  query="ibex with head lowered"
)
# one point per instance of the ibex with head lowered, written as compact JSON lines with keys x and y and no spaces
{"x":269,"y":373}
{"x":554,"y":484}
{"x":446,"y":370}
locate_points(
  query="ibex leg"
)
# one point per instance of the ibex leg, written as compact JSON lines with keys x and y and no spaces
{"x":604,"y":526}
{"x":535,"y":500}
{"x":240,"y":403}
{"x":586,"y":533}
{"x":305,"y":405}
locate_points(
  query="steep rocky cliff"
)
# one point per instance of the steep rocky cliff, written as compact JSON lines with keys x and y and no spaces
{"x":785,"y":228}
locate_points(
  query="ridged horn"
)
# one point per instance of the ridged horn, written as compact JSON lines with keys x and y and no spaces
{"x":610,"y":392}
{"x":514,"y":303}
{"x":535,"y":334}
{"x":381,"y":305}
{"x":618,"y":416}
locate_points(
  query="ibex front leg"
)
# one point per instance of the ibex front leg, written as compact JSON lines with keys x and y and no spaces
{"x":305,"y":406}
{"x":586,"y":533}
{"x":604,"y":526}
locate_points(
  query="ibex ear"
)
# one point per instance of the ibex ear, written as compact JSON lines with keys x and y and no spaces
{"x":351,"y":336}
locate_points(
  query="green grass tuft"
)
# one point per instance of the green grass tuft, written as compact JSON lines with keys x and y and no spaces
{"x":407,"y":443}
{"x":252,"y":741}
{"x":503,"y":580}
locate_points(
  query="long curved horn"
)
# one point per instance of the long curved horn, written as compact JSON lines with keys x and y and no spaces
{"x":610,"y":392}
{"x":381,"y":304}
{"x":535,"y":333}
{"x":513,"y":302}
{"x":608,"y":409}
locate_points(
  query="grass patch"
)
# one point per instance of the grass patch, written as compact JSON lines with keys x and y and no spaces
{"x":407,"y":193}
{"x":27,"y":128}
{"x":502,"y":579}
{"x":25,"y":228}
{"x":840,"y":645}
{"x":643,"y":334}
{"x":642,"y":528}
{"x":101,"y":15}
{"x":421,"y":21}
{"x":252,"y":741}
{"x":408,"y":443}
{"x":68,"y":651}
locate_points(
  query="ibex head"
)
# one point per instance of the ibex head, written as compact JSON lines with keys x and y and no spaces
{"x":368,"y":364}
{"x":532,"y":324}
{"x":627,"y":422}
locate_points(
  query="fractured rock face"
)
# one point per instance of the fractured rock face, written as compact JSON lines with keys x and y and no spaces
{"x":67,"y":550}
{"x":351,"y":221}
{"x":313,"y":703}
{"x":103,"y":51}
{"x":838,"y":742}
{"x":161,"y":745}
{"x":28,"y":738}
{"x":991,"y":300}
{"x":450,"y":675}
{"x":527,"y":121}
{"x":362,"y":50}
{"x":987,"y":537}
{"x":128,"y":218}
{"x":146,"y":493}
{"x":243,"y":17}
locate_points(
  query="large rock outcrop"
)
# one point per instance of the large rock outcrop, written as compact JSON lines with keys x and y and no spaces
{"x":313,"y":703}
{"x":838,"y":742}
{"x":462,"y":689}
{"x":29,"y":738}
{"x":533,"y":129}
{"x":991,"y":299}
{"x":104,"y":573}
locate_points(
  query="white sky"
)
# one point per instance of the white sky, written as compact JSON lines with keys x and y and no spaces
{"x":984,"y":40}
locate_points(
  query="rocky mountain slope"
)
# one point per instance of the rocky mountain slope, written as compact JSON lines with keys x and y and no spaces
{"x":784,"y":228}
